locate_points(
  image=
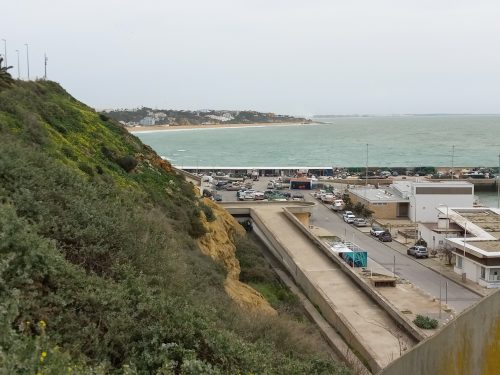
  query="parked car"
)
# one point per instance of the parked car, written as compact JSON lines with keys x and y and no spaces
{"x":297,"y":197}
{"x":349,"y":218}
{"x":360,"y":222}
{"x":217,"y":197}
{"x":258,"y":196}
{"x":327,"y":198}
{"x":376,"y":231}
{"x":385,"y":237}
{"x":418,"y":252}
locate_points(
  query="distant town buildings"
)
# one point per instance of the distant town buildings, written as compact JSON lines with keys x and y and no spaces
{"x":147,"y":121}
{"x":223,"y":117}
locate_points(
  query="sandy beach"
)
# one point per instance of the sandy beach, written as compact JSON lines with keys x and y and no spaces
{"x":155,"y":128}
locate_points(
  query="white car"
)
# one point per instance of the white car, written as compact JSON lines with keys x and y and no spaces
{"x":349,"y":218}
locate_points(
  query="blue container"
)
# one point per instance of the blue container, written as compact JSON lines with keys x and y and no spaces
{"x":356,"y":258}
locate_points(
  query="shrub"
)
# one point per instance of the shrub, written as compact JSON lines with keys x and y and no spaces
{"x":207,"y":210}
{"x":425,"y":322}
{"x":196,"y":228}
{"x":128,"y":163}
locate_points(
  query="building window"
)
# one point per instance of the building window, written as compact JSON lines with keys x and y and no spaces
{"x":494,"y":274}
{"x":483,"y":273}
{"x":459,"y":262}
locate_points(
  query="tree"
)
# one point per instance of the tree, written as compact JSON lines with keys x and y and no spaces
{"x":5,"y":77}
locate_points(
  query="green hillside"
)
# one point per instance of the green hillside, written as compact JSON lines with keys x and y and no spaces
{"x":100,"y":271}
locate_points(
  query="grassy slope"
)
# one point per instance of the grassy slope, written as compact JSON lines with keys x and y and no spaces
{"x":99,"y":270}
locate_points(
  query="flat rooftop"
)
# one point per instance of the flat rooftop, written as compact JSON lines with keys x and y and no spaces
{"x":487,"y":219}
{"x":378,"y":195}
{"x":488,"y":246}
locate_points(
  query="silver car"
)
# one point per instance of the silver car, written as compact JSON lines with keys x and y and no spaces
{"x":360,"y":222}
{"x":418,"y":252}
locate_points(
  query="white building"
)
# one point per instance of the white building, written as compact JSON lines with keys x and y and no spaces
{"x":415,"y":200}
{"x":147,"y":121}
{"x":425,"y":196}
{"x":477,"y":251}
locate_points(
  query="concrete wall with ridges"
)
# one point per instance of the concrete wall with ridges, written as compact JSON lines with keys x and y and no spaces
{"x":400,"y":318}
{"x":318,"y":298}
{"x":470,"y":344}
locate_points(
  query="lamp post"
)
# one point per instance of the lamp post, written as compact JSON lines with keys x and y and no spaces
{"x":452,"y":161}
{"x":18,"y":65}
{"x":5,"y":51}
{"x":498,"y":182}
{"x":366,"y":173}
{"x":464,"y":276}
{"x":28,"y":59}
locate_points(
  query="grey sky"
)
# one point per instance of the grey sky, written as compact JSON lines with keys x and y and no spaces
{"x":297,"y":57}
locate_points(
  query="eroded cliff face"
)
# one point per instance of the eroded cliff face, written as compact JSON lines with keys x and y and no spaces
{"x":218,"y":243}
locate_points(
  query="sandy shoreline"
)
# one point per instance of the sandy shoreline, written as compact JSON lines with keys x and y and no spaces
{"x":155,"y":128}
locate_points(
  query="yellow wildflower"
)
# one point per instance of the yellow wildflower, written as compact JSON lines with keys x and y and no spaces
{"x":42,"y":324}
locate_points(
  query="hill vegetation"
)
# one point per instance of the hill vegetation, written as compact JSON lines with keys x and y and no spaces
{"x":100,"y":268}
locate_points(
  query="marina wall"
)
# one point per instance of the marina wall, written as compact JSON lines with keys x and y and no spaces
{"x":470,"y":344}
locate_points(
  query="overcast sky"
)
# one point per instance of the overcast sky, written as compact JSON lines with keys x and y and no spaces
{"x":285,"y":56}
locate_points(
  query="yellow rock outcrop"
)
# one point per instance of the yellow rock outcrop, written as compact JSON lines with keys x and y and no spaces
{"x":218,"y":243}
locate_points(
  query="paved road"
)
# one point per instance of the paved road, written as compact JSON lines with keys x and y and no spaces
{"x":459,"y":298}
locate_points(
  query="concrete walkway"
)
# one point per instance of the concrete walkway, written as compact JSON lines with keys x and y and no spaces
{"x":379,"y":333}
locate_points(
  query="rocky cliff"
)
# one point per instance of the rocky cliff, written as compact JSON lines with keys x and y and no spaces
{"x":219,"y":244}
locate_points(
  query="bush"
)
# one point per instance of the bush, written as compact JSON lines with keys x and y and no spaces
{"x":207,"y":210}
{"x":128,"y":163}
{"x":425,"y":322}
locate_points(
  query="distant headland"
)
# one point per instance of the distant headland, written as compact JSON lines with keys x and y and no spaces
{"x":153,"y":119}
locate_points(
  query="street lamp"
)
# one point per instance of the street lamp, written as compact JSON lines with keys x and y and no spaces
{"x":498,"y":182}
{"x":452,"y":161}
{"x":464,"y":276}
{"x":18,"y":65}
{"x":28,"y":59}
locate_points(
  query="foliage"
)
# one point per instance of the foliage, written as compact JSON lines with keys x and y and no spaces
{"x":425,"y":322}
{"x":421,"y":242}
{"x":207,"y":210}
{"x":5,"y":77}
{"x":107,"y":259}
{"x":360,"y":209}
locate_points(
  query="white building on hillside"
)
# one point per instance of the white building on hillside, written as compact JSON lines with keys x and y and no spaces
{"x":477,"y":250}
{"x":147,"y":121}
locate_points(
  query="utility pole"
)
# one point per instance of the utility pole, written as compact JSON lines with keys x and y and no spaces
{"x":464,"y":276}
{"x":498,"y":182}
{"x":28,"y":59}
{"x":452,"y":161}
{"x":5,"y":51}
{"x":18,"y":65}
{"x":366,"y":175}
{"x":45,"y":66}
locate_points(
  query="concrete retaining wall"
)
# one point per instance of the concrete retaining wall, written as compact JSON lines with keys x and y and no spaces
{"x":470,"y":344}
{"x":400,"y":318}
{"x":318,"y":298}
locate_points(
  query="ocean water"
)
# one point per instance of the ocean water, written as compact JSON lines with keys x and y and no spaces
{"x":399,"y":141}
